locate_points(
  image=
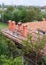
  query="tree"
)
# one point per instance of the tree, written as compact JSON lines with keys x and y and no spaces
{"x":8,"y":13}
{"x":43,"y":14}
{"x":33,"y":14}
{"x":32,"y":49}
{"x":10,"y":8}
{"x":22,"y":13}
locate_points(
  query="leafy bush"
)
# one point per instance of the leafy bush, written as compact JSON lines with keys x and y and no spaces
{"x":21,"y":13}
{"x":4,"y":60}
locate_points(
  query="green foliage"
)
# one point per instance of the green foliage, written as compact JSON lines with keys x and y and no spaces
{"x":37,"y":45}
{"x":44,"y":14}
{"x":9,"y":52}
{"x":11,"y":8}
{"x":44,"y":60}
{"x":4,"y":60}
{"x":3,"y":45}
{"x":27,"y":47}
{"x":21,"y":13}
{"x":32,"y":49}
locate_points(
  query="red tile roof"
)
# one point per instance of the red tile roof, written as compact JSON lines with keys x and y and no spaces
{"x":36,"y":25}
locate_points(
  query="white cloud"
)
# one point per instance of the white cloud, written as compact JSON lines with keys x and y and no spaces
{"x":24,"y":2}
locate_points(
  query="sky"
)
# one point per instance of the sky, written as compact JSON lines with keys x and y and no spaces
{"x":24,"y":2}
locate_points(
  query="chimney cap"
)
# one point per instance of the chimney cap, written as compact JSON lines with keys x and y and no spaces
{"x":9,"y":21}
{"x":13,"y":21}
{"x":19,"y":23}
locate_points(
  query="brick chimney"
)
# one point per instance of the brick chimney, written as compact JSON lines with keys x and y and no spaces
{"x":13,"y":25}
{"x":9,"y":24}
{"x":25,"y":31}
{"x":19,"y":26}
